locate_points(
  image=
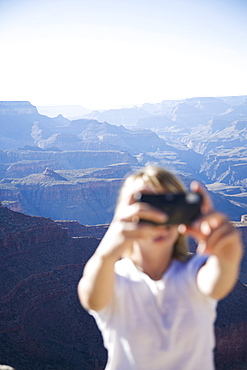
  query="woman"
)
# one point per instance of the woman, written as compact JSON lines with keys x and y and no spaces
{"x":155,"y":303}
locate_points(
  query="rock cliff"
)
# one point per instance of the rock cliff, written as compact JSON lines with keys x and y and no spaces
{"x":43,"y":326}
{"x":89,"y":201}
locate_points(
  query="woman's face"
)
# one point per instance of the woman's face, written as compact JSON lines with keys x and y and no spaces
{"x":165,"y":235}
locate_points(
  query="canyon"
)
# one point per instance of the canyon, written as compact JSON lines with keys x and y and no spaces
{"x":72,"y":169}
{"x":59,"y":182}
{"x":42,"y":324}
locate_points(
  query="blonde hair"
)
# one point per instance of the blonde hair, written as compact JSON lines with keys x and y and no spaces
{"x":165,"y":181}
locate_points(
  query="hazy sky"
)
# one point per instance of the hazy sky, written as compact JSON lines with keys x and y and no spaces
{"x":110,"y":53}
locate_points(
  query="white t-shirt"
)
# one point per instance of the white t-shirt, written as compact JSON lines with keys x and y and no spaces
{"x":158,"y":325}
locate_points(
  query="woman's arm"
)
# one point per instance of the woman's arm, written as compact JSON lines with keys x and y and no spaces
{"x":96,"y":286}
{"x":223,"y":243}
{"x":217,"y":237}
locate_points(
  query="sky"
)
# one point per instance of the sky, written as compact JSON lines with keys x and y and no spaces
{"x":104,"y":54}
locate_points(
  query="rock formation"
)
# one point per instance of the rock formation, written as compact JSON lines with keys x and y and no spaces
{"x":71,"y":171}
{"x":199,"y":138}
{"x":43,"y":326}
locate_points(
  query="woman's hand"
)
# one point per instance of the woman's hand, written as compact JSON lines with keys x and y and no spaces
{"x":125,"y":226}
{"x":217,"y":237}
{"x":213,"y":231}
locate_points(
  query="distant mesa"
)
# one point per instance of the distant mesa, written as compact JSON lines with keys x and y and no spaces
{"x":17,"y":107}
{"x":49,"y":173}
{"x":60,"y":139}
{"x":32,"y":148}
{"x":185,"y":114}
{"x":210,"y":105}
{"x":123,"y":116}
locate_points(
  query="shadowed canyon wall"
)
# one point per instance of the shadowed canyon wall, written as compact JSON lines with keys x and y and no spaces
{"x":43,"y":326}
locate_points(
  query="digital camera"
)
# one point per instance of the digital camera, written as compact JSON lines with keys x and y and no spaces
{"x":183,"y":208}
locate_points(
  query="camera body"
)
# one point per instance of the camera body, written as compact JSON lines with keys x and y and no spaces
{"x":182,"y":208}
